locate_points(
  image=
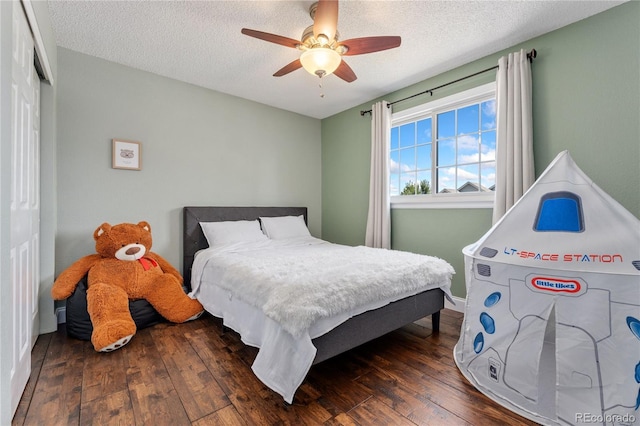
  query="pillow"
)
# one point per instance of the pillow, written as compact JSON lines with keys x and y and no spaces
{"x":278,"y":228}
{"x":238,"y":231}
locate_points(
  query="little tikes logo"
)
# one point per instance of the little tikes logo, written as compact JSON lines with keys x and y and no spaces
{"x":555,"y":285}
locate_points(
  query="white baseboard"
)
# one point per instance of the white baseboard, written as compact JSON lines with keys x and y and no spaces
{"x":459,"y":304}
{"x":61,"y":314}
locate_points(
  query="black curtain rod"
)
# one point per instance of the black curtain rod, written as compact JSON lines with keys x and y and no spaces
{"x":530,"y":56}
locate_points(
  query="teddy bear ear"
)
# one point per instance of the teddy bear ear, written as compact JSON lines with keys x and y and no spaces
{"x":105,"y":227}
{"x":144,"y":225}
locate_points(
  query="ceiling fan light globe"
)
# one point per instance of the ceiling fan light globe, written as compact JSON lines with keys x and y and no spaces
{"x":320,"y":59}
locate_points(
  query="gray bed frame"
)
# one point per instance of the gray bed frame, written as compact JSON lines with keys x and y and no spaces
{"x":353,"y":332}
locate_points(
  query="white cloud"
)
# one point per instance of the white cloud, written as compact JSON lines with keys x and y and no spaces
{"x":395,"y":167}
{"x":489,"y":108}
{"x":393,"y":189}
{"x":489,"y":155}
{"x":467,"y":142}
{"x":489,"y":180}
{"x":488,"y":174}
{"x":469,"y":158}
{"x":446,"y":178}
{"x":470,"y":144}
{"x":464,"y":175}
{"x":427,"y":134}
{"x":488,"y":166}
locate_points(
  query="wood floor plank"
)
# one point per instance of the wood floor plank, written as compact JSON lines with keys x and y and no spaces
{"x":429,"y":415}
{"x":428,"y":359}
{"x":111,"y":409}
{"x":342,"y":390}
{"x":336,"y":380}
{"x":199,"y":373}
{"x":411,"y":350}
{"x":197,"y":388}
{"x":412,"y":361}
{"x":227,"y":416}
{"x":37,"y":359}
{"x":267,"y":407}
{"x":341,"y":419}
{"x":104,"y":374}
{"x":408,"y":403}
{"x":56,"y":397}
{"x":62,"y":348}
{"x":229,"y":370}
{"x":375,"y":412}
{"x":255,"y":411}
{"x":153,"y":397}
{"x":462,"y":404}
{"x":313,"y":413}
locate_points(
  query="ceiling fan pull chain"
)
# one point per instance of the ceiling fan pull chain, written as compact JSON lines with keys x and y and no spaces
{"x":320,"y":86}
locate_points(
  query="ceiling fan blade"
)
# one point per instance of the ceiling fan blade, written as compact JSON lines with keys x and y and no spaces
{"x":273,"y":38}
{"x":345,"y":72}
{"x":288,"y":68}
{"x":326,"y":19}
{"x":359,"y":46}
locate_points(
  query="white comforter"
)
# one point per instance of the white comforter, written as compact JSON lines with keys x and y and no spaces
{"x":279,"y":294}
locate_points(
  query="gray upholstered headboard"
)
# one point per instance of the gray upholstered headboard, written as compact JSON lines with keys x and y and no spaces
{"x":193,"y":239}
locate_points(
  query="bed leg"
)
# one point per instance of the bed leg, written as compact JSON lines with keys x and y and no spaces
{"x":435,"y":321}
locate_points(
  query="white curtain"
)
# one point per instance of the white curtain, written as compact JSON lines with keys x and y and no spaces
{"x":514,"y":150}
{"x":378,"y":221}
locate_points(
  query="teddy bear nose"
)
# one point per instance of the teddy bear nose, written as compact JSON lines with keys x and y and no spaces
{"x":132,"y":250}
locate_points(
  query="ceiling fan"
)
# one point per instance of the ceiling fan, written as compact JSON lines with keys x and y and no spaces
{"x":321,"y":50}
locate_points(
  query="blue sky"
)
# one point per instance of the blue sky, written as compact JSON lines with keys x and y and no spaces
{"x":466,"y":142}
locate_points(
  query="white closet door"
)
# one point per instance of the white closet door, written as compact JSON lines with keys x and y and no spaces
{"x":25,"y":202}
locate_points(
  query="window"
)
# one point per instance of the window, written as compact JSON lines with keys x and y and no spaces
{"x":444,"y":151}
{"x":559,"y":211}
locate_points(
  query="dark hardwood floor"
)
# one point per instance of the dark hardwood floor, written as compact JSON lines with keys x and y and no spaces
{"x":194,"y":374}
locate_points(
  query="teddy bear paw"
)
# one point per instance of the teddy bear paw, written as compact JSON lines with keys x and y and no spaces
{"x":117,"y":345}
{"x":196,"y":316}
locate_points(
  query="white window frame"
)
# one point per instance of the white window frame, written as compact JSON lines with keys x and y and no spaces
{"x":479,"y":200}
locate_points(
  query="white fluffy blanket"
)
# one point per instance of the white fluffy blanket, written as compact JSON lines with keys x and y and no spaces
{"x":297,"y":286}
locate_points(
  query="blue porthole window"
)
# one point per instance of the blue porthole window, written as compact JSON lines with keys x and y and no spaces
{"x":559,"y":212}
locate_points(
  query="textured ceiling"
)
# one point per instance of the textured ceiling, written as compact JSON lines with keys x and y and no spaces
{"x":200,"y":42}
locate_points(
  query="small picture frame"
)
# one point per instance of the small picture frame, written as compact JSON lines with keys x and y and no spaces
{"x":126,"y":155}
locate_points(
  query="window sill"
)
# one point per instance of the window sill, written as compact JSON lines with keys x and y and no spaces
{"x":443,"y":201}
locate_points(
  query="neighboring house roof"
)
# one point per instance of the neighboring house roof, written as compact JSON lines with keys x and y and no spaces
{"x":468,"y":187}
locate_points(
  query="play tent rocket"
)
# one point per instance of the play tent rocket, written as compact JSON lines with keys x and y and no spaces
{"x":552,"y":316}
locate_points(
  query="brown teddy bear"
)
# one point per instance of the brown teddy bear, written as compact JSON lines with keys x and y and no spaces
{"x":124,"y":268}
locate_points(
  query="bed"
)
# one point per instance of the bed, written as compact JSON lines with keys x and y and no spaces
{"x":284,"y":356}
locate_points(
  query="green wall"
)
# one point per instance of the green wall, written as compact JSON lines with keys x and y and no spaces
{"x":199,"y":147}
{"x":586,"y":98}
